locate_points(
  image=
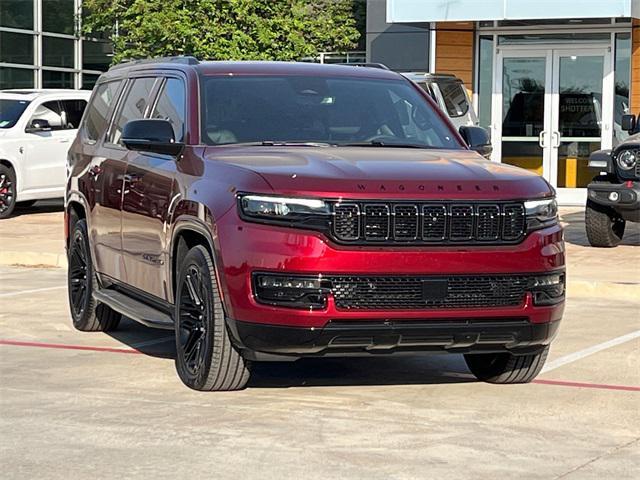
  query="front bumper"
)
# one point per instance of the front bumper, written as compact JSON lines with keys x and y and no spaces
{"x":245,"y":248}
{"x":624,"y":197}
{"x":513,"y":335}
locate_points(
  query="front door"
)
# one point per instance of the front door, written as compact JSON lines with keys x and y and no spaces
{"x":552,"y":108}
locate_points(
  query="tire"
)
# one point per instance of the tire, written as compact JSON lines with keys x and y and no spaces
{"x":7,"y":191}
{"x":88,"y":315}
{"x":605,"y":228}
{"x":206,"y":359}
{"x":506,"y":368}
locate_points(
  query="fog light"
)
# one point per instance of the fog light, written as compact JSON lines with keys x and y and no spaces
{"x":292,"y":291}
{"x":547,"y":289}
{"x":613,"y":196}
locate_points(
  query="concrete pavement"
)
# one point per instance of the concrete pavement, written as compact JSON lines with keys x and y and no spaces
{"x":80,"y":405}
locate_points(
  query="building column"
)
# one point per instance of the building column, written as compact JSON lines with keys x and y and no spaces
{"x":635,"y":67}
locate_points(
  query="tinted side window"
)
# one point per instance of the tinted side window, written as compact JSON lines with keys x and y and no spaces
{"x":72,"y":112}
{"x":97,"y":117}
{"x":171,"y":106}
{"x":51,"y":112}
{"x":455,"y":100}
{"x":134,"y":106}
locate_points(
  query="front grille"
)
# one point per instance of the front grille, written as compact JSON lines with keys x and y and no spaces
{"x":428,"y":223}
{"x":408,"y":293}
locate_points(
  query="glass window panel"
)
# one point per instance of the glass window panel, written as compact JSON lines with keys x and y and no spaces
{"x":455,"y":99}
{"x":89,"y":80}
{"x":580,"y":99}
{"x":57,"y":52}
{"x":171,"y":106}
{"x":134,"y":106}
{"x":72,"y":112}
{"x":58,"y":16}
{"x":16,"y":78}
{"x":485,"y":80}
{"x":523,"y":87}
{"x":51,"y":79}
{"x":96,"y":55}
{"x":542,"y":38}
{"x":51,"y":112}
{"x":527,"y":155}
{"x":97,"y":117}
{"x":573,"y":160}
{"x":622,"y":79}
{"x":16,"y":14}
{"x":16,"y":48}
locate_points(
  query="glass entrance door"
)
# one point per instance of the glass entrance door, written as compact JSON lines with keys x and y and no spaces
{"x":552,"y":108}
{"x":582,"y":118}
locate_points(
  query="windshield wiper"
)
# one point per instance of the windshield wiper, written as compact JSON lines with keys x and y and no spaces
{"x":276,"y":143}
{"x":378,"y":143}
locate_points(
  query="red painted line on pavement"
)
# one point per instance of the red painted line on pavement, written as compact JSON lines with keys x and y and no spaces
{"x":64,"y":346}
{"x":562,"y":383}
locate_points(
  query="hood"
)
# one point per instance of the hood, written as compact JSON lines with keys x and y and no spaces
{"x":378,"y":172}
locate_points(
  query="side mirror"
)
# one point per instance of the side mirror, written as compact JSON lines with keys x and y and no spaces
{"x":601,"y":159}
{"x":151,"y":135}
{"x":38,"y":125}
{"x":478,"y":140}
{"x":629,"y":123}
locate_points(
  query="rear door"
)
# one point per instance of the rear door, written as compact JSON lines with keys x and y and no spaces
{"x":46,"y":151}
{"x":111,"y":180}
{"x":150,"y":189}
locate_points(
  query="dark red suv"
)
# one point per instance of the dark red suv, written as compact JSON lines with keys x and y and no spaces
{"x":269,"y":211}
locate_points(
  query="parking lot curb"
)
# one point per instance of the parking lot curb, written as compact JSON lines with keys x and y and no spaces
{"x":33,"y":259}
{"x":612,"y":290}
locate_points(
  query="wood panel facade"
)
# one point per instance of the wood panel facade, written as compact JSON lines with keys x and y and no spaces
{"x":455,"y":50}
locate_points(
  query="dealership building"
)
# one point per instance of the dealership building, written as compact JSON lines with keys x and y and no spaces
{"x":39,"y":46}
{"x":551,"y":79}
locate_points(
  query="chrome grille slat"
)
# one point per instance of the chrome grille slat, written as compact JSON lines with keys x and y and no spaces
{"x":428,"y":223}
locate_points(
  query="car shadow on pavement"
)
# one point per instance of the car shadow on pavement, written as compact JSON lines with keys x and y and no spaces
{"x":42,"y":206}
{"x":575,"y":233}
{"x":383,"y":369}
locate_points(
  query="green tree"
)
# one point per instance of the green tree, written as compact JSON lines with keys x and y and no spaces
{"x":223,"y":29}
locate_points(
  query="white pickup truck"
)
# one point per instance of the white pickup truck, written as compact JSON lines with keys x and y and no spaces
{"x":36,"y":131}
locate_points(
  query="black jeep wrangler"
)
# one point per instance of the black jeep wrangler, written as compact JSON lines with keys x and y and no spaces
{"x":613,"y":196}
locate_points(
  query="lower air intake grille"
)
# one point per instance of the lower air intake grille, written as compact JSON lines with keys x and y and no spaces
{"x":415,"y":293}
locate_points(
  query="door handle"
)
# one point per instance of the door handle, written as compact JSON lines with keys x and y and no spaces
{"x":64,"y":140}
{"x":555,"y":139}
{"x":95,"y":171}
{"x":542,"y":139}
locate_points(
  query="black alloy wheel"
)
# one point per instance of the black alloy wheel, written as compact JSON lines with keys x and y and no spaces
{"x":79,"y":279}
{"x":206,"y":357}
{"x":88,"y":314}
{"x":7,"y":191}
{"x":194,"y":307}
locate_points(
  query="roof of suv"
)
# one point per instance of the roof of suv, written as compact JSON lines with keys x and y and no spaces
{"x":255,"y":68}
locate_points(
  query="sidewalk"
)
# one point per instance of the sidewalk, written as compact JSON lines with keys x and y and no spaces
{"x":35,"y":238}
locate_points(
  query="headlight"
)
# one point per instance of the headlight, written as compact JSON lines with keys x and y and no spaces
{"x":541,"y":213}
{"x":303,"y":212}
{"x":627,"y":160}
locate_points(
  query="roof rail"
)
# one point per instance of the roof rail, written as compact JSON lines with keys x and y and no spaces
{"x":381,"y":66}
{"x":180,"y":59}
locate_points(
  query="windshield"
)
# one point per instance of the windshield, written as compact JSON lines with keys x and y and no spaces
{"x":10,"y":111}
{"x":327,"y":110}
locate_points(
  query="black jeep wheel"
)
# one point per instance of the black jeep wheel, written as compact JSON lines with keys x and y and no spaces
{"x":605,"y":228}
{"x":205,"y":356}
{"x":7,"y":191}
{"x":506,"y":368}
{"x":88,"y":315}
